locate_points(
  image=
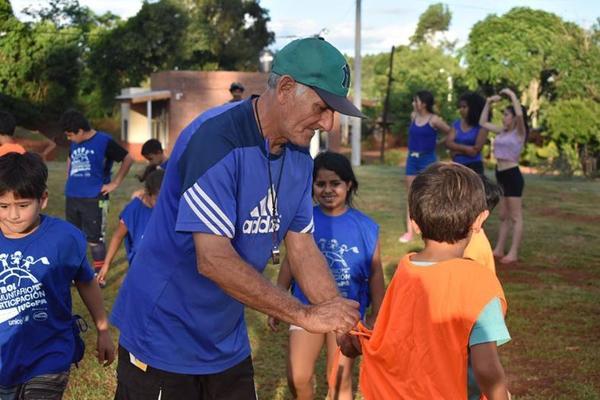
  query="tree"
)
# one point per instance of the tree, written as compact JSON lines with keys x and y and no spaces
{"x":422,"y":68}
{"x":435,"y":19}
{"x":127,"y":54}
{"x":537,"y":53}
{"x":573,"y":125}
{"x":224,"y":34}
{"x":39,"y":63}
{"x":576,"y":63}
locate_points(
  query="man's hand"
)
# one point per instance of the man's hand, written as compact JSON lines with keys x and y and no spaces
{"x":105,"y":349}
{"x":109,"y":187}
{"x":338,"y":314}
{"x":493,"y":99}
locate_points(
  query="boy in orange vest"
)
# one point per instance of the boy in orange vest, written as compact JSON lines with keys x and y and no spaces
{"x":440,"y":308}
{"x":8,"y":143}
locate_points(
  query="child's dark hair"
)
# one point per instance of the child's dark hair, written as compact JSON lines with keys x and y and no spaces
{"x":7,"y":123}
{"x":426,"y":98}
{"x":73,"y":121}
{"x":444,"y":200}
{"x":475,"y":103}
{"x":24,"y":175}
{"x":147,"y":171}
{"x":151,"y":146}
{"x":341,"y":166}
{"x":153,"y":181}
{"x":511,"y":109}
{"x":493,"y":192}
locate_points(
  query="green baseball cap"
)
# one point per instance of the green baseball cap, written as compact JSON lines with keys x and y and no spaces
{"x":317,"y":64}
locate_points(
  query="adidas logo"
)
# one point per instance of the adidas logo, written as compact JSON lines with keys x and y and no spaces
{"x":261,"y":217}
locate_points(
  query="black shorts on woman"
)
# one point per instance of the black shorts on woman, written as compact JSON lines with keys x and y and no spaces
{"x":511,"y":180}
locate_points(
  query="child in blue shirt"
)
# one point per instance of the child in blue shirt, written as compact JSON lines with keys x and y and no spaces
{"x":39,"y":258}
{"x":91,"y":157}
{"x":133,"y":221}
{"x":349,"y":240}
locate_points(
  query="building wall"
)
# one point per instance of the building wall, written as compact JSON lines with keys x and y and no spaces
{"x":193,"y":92}
{"x":138,"y":123}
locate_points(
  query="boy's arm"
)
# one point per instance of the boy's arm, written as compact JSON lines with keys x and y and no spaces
{"x":123,"y":170}
{"x":113,"y":247}
{"x":376,"y":286}
{"x":68,"y":166}
{"x":49,"y":145}
{"x":488,"y":371}
{"x":284,"y":279}
{"x":92,"y":298}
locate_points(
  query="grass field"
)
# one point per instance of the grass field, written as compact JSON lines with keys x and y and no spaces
{"x":553,"y":293}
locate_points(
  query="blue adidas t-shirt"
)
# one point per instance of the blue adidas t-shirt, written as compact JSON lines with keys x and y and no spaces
{"x":36,"y":271}
{"x":135,"y":216}
{"x":348,"y":242}
{"x":170,"y":316}
{"x":91,"y":163}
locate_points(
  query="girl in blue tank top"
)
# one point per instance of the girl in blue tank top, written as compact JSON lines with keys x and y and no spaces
{"x":349,"y":241}
{"x":422,"y":139}
{"x":467,"y":137}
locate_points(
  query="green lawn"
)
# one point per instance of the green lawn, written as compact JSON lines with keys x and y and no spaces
{"x":553,"y":294}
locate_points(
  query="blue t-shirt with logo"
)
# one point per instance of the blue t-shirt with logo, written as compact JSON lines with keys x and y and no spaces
{"x":91,"y":163}
{"x":467,"y":138}
{"x":135,"y":216}
{"x":171,"y":317}
{"x":348,"y":242}
{"x":36,"y":271}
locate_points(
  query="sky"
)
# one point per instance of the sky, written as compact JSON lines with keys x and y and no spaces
{"x":384,"y":22}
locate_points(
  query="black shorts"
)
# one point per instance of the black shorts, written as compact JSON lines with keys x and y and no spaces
{"x":235,"y":383}
{"x":511,"y":181}
{"x":89,"y":215}
{"x":48,"y":386}
{"x":476,"y":166}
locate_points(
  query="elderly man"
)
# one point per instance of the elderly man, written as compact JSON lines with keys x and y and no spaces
{"x":238,"y":184}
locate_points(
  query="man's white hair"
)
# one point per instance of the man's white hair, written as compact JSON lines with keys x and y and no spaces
{"x":274,"y":79}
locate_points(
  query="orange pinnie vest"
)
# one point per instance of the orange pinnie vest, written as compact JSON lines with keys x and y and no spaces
{"x":419,"y":346}
{"x":11,"y":148}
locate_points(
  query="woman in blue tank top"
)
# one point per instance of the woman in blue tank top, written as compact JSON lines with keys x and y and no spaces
{"x":467,"y":137}
{"x":349,"y":241}
{"x":422,"y":139}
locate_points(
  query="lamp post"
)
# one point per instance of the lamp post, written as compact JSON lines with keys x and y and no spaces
{"x":356,"y":123}
{"x":265,"y":61}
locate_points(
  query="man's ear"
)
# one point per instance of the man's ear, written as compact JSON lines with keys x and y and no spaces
{"x":476,"y":226}
{"x":285,"y":88}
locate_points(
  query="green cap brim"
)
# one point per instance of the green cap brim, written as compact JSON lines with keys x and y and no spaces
{"x":340,"y":104}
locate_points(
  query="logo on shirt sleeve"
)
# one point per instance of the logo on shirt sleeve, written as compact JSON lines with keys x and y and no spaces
{"x":262,"y":218}
{"x":20,"y":290}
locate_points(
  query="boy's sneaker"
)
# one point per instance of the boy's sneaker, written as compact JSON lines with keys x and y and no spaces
{"x":407,"y":237}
